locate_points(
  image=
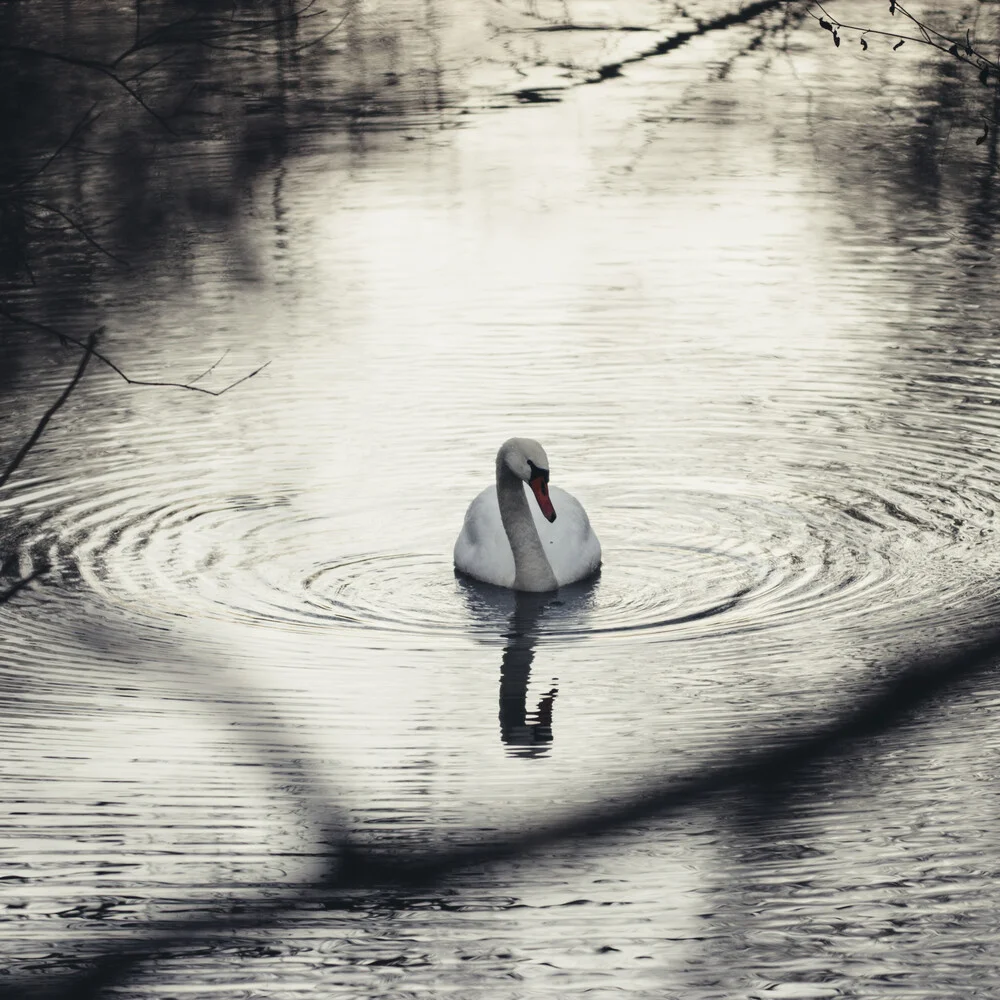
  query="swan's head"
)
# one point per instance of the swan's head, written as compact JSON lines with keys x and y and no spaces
{"x":528,"y":461}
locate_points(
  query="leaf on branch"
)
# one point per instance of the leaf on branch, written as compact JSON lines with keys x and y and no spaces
{"x":968,"y":43}
{"x":981,"y":139}
{"x":892,"y":6}
{"x":864,"y":45}
{"x":984,"y":75}
{"x":823,"y":23}
{"x":898,"y":44}
{"x":836,"y":39}
{"x":954,"y":50}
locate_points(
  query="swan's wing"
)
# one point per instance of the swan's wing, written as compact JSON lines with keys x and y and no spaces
{"x":570,"y":544}
{"x":482,"y":549}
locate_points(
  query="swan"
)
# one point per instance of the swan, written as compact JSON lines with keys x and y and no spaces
{"x":510,"y":543}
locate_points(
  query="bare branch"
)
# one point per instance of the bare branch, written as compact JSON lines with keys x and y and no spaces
{"x":609,"y":71}
{"x":138,"y":74}
{"x":964,"y":51}
{"x":88,"y":119}
{"x":51,"y":411}
{"x":261,"y":52}
{"x":66,"y":338}
{"x":212,"y":28}
{"x":197,"y":28}
{"x":76,"y":227}
{"x":316,"y":41}
{"x":211,"y":368}
{"x":91,"y":64}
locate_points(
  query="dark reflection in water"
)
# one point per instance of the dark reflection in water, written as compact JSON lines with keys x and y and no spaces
{"x":870,"y":871}
{"x":525,"y":732}
{"x":130,"y":136}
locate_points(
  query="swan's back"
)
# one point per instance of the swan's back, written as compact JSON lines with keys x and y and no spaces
{"x":571,"y":547}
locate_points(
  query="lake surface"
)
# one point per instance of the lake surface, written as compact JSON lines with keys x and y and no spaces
{"x":747,"y":302}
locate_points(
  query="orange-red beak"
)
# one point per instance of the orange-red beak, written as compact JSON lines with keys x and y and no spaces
{"x":540,"y":487}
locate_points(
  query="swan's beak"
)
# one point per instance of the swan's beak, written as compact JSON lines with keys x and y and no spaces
{"x":540,"y":487}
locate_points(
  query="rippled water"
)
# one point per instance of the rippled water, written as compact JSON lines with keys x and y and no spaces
{"x":765,"y":367}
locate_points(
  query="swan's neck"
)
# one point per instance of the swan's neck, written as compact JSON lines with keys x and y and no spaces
{"x":531,"y":567}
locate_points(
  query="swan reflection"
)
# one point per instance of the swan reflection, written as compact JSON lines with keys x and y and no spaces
{"x":521,"y":618}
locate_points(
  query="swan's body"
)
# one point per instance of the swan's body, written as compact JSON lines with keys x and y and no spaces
{"x":534,"y":545}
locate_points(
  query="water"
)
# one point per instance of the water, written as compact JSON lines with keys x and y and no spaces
{"x":753,"y":329}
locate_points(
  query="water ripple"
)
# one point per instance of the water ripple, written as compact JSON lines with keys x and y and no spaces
{"x":712,"y":562}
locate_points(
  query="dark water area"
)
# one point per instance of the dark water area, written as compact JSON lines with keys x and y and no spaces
{"x":739,"y":280}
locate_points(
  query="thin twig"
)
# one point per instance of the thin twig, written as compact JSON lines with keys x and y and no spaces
{"x":211,"y":368}
{"x":88,"y":119}
{"x":148,"y":69}
{"x":964,"y":52}
{"x":91,"y":64}
{"x":744,"y":15}
{"x":66,"y":338}
{"x":76,"y":227}
{"x":194,"y":29}
{"x":51,"y":411}
{"x":315,"y":41}
{"x":262,"y":52}
{"x":173,"y":33}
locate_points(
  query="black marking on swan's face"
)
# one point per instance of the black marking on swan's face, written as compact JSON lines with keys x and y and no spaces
{"x":536,"y":472}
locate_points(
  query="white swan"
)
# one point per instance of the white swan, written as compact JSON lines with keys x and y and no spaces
{"x":508,"y":542}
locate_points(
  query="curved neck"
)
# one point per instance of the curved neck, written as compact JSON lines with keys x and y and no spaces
{"x":531,"y":567}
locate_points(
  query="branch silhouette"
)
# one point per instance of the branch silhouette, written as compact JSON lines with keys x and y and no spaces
{"x":32,"y":440}
{"x":15,"y":462}
{"x":609,"y":71}
{"x":914,"y":686}
{"x":208,"y":30}
{"x":65,"y":338}
{"x":964,"y":50}
{"x":88,"y":119}
{"x":72,"y":224}
{"x":742,"y":16}
{"x":95,"y":66}
{"x":89,"y":348}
